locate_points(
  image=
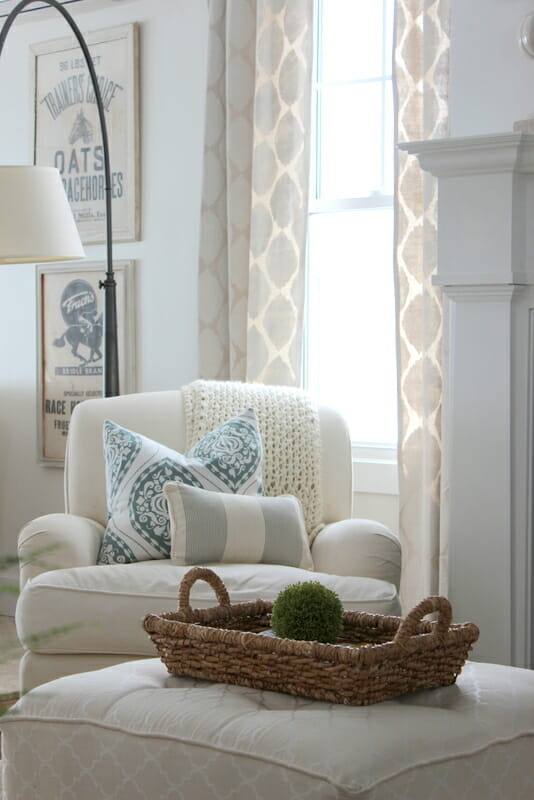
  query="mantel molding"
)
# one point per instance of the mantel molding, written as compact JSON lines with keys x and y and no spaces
{"x":485,"y":200}
{"x":481,"y":278}
{"x":481,"y":293}
{"x":474,"y":155}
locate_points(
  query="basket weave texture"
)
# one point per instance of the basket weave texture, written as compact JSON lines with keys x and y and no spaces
{"x":377,"y":657}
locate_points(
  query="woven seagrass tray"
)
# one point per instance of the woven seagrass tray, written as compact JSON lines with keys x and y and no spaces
{"x":377,"y":657}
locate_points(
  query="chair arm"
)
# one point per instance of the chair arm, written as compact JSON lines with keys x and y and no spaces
{"x":57,"y":541}
{"x":359,"y":547}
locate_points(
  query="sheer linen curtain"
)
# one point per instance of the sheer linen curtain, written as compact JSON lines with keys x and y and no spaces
{"x":421,"y":68}
{"x":255,"y":192}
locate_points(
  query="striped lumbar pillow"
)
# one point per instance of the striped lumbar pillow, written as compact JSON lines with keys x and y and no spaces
{"x":208,"y":527}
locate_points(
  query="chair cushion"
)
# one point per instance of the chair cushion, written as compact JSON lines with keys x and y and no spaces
{"x":105,"y":605}
{"x":228,"y":459}
{"x":217,"y":526}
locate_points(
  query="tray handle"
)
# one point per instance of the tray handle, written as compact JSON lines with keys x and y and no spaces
{"x":201,"y":574}
{"x":409,"y":624}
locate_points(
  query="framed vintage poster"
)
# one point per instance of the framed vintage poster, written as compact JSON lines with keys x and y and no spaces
{"x":68,"y":133}
{"x":70,"y":345}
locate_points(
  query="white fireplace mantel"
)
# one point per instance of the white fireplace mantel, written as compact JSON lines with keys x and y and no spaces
{"x":486,"y":271}
{"x":475,"y":155}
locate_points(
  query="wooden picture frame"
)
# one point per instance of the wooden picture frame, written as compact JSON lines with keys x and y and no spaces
{"x":70,"y":345}
{"x":67,"y":127}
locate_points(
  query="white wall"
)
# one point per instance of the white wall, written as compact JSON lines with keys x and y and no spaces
{"x":173,"y":44}
{"x":492,"y":78}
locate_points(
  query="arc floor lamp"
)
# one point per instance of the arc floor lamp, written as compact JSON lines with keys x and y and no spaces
{"x":36,"y":222}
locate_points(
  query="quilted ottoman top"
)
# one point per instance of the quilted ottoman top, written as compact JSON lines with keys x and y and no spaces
{"x":349,"y":749}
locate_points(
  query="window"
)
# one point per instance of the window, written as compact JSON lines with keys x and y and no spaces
{"x":350,"y":326}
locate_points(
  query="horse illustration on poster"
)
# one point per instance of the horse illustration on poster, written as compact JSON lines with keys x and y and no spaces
{"x":79,"y":309}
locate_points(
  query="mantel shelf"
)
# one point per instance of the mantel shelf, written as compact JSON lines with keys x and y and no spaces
{"x":473,"y":155}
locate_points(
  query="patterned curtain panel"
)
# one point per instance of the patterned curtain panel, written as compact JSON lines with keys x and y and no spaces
{"x":421,"y":67}
{"x":255,"y":194}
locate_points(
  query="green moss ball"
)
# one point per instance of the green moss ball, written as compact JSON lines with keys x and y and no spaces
{"x":308,"y":611}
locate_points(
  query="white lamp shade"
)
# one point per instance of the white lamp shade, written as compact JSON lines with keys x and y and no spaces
{"x":36,"y":222}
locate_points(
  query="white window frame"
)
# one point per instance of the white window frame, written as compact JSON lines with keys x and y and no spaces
{"x":374,"y":465}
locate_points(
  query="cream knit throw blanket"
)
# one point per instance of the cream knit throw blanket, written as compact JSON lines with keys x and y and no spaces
{"x":289,"y":428}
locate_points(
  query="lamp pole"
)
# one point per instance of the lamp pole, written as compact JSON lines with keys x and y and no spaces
{"x":109,"y":284}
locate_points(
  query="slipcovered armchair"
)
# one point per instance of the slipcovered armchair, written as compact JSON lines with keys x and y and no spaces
{"x":76,"y":614}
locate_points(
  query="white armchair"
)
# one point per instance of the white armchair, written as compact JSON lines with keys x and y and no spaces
{"x":97,"y":609}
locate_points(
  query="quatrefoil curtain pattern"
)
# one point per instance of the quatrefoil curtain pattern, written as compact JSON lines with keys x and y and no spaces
{"x":255,"y":191}
{"x":421,"y":70}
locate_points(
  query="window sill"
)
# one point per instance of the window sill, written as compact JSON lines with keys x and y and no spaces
{"x":374,"y":469}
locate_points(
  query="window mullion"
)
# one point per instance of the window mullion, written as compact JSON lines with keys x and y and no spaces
{"x":328,"y":205}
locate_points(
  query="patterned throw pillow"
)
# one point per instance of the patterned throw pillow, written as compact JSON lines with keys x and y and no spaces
{"x":228,"y":459}
{"x":209,"y":527}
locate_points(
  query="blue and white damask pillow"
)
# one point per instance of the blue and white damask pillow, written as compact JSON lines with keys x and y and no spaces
{"x":228,"y":459}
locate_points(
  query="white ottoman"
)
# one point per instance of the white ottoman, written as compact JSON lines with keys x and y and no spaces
{"x":132,"y":732}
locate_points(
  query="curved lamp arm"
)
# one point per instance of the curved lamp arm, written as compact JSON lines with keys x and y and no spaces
{"x":111,"y":359}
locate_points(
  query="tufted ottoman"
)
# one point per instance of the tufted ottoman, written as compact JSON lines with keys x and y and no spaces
{"x":132,"y":732}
